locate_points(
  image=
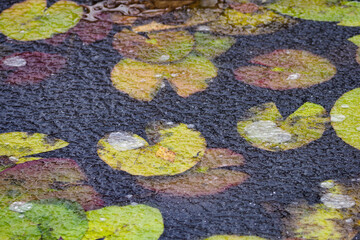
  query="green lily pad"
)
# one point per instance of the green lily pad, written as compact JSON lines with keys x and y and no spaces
{"x":212,"y":46}
{"x":30,"y":20}
{"x":355,"y":40}
{"x":286,"y":69}
{"x":206,"y":178}
{"x":45,"y":179}
{"x":264,"y":127}
{"x":58,"y":219}
{"x":238,"y":20}
{"x":233,"y":237}
{"x":345,"y":12}
{"x":126,"y":223}
{"x":143,"y":80}
{"x":345,"y":117}
{"x":177,"y":149}
{"x":159,"y":47}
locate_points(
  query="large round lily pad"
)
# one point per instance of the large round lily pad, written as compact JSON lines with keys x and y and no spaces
{"x":158,"y":47}
{"x":212,"y":46}
{"x":206,"y":178}
{"x":286,"y":69}
{"x":345,"y":117}
{"x":143,"y":80}
{"x":264,"y":127}
{"x":45,"y":179}
{"x":176,"y":149}
{"x":126,"y":223}
{"x":233,"y":237}
{"x":30,"y":20}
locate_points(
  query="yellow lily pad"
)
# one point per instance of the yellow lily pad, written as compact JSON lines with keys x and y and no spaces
{"x":212,"y":46}
{"x":233,"y":237}
{"x":126,"y":223}
{"x":264,"y":127}
{"x":177,"y":148}
{"x":30,"y":20}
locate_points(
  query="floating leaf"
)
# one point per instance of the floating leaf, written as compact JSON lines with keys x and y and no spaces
{"x":286,"y":69}
{"x":355,"y":40}
{"x":126,"y":223}
{"x":345,"y":12}
{"x":239,"y":20}
{"x":45,"y":179}
{"x":212,"y":46}
{"x":233,"y":237}
{"x":204,"y":179}
{"x":142,"y":80}
{"x":345,"y":117}
{"x":158,"y":47}
{"x":264,"y":127}
{"x":30,"y":20}
{"x":177,"y":149}
{"x":31,"y":67}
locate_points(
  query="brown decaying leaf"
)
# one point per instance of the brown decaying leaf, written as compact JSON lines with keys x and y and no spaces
{"x":204,"y":179}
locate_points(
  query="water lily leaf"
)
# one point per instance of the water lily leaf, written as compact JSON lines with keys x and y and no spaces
{"x":30,"y":20}
{"x":239,"y":20}
{"x":13,"y":225}
{"x":127,"y":223}
{"x":355,"y":40}
{"x":158,"y":47}
{"x":233,"y":237}
{"x":177,"y":149}
{"x":206,"y":178}
{"x":143,"y":80}
{"x":264,"y":127}
{"x":345,"y":117}
{"x":20,"y":144}
{"x":318,"y":222}
{"x":286,"y":69}
{"x":345,"y":12}
{"x":212,"y":46}
{"x":45,"y":179}
{"x":31,"y":67}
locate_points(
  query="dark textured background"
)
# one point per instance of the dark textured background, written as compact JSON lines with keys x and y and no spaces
{"x":80,"y":105}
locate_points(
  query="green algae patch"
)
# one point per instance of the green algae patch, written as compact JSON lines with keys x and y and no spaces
{"x":30,"y":20}
{"x":265,"y":128}
{"x":127,"y":223}
{"x":345,"y":117}
{"x":176,"y":149}
{"x":233,"y":237}
{"x":212,"y":46}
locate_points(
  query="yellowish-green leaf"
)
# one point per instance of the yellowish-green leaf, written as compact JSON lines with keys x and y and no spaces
{"x":355,"y":40}
{"x":30,"y":20}
{"x":212,"y":46}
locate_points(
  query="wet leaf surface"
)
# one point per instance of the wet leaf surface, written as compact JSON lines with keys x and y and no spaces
{"x":264,"y":127}
{"x":176,"y":149}
{"x":233,"y":237}
{"x":31,"y":67}
{"x":286,"y":69}
{"x":212,"y":46}
{"x":206,"y":178}
{"x":127,"y":223}
{"x":45,"y":179}
{"x":157,"y":47}
{"x":142,"y":80}
{"x":30,"y":20}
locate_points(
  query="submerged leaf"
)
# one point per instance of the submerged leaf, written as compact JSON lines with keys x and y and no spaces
{"x":212,"y":46}
{"x":45,"y":179}
{"x":264,"y":127}
{"x":30,"y":20}
{"x":176,"y":149}
{"x":31,"y":67}
{"x":286,"y":69}
{"x":233,"y":237}
{"x":126,"y":223}
{"x":204,"y":179}
{"x":158,"y":47}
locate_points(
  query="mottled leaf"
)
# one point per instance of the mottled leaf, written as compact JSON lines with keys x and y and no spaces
{"x":233,"y":237}
{"x":31,"y":67}
{"x":177,"y":149}
{"x":239,"y":20}
{"x":264,"y":127}
{"x":126,"y":223}
{"x":286,"y":69}
{"x":212,"y":46}
{"x":157,"y":47}
{"x":142,"y":80}
{"x":345,"y":117}
{"x":204,"y":179}
{"x":45,"y":179}
{"x":30,"y":20}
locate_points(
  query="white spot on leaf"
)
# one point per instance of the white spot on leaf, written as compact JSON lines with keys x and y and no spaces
{"x":337,"y":201}
{"x":293,"y":76}
{"x":267,"y":131}
{"x":327,"y":184}
{"x":123,"y":141}
{"x":15,"y":62}
{"x":164,"y":58}
{"x":345,"y":106}
{"x":20,"y":207}
{"x":337,"y":117}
